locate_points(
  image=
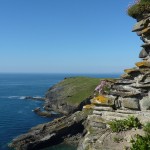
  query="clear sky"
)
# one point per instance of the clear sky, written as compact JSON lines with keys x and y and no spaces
{"x":67,"y":36}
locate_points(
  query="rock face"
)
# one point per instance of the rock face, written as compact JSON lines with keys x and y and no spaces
{"x":52,"y":133}
{"x":55,"y":100}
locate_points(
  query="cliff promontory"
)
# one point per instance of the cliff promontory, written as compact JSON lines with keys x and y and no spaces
{"x":70,"y":95}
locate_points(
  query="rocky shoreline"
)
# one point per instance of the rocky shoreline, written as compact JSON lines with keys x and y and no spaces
{"x":67,"y":129}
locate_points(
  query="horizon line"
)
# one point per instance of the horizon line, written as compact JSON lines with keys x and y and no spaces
{"x":60,"y":73}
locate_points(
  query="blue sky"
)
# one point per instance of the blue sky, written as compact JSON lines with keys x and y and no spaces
{"x":67,"y":36}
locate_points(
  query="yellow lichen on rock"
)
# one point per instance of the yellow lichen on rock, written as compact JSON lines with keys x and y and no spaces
{"x":90,"y":106}
{"x":101,"y":99}
{"x":128,"y":70}
{"x":132,"y":70}
{"x":143,"y":64}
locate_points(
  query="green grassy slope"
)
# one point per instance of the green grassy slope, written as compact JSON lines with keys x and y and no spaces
{"x":77,"y":89}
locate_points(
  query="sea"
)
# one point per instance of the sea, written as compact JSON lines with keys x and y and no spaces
{"x":16,"y":112}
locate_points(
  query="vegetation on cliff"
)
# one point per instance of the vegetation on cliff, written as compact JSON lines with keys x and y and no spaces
{"x":125,"y":124}
{"x":140,"y":7}
{"x":142,"y":142}
{"x":75,"y":89}
{"x":138,"y":142}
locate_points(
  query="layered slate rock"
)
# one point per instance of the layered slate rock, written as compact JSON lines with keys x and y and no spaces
{"x":52,"y":133}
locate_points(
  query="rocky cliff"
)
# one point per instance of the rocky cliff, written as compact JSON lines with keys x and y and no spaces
{"x":70,"y":94}
{"x":66,"y":97}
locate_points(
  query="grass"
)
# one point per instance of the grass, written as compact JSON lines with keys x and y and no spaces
{"x":76,"y":89}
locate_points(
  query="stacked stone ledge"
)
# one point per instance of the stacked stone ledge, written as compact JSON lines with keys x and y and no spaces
{"x":129,"y":96}
{"x":132,"y":90}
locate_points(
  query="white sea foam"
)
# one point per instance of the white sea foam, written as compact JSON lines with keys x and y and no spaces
{"x":12,"y":97}
{"x":22,"y":97}
{"x":16,"y":97}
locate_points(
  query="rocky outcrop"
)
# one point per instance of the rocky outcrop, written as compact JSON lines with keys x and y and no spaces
{"x":130,"y":95}
{"x":35,"y":98}
{"x":100,"y":137}
{"x":68,"y":129}
{"x":64,"y":129}
{"x":56,"y":100}
{"x":50,"y":114}
{"x":70,"y":95}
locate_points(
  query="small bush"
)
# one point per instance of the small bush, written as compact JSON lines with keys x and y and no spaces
{"x":139,"y":8}
{"x":126,"y":124}
{"x":146,"y":128}
{"x":142,"y":142}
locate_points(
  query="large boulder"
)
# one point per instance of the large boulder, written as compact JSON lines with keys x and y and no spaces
{"x":130,"y":103}
{"x":145,"y":103}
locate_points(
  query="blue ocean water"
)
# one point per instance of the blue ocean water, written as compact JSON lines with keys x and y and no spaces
{"x":16,"y":116}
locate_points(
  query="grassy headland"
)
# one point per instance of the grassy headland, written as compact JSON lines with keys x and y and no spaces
{"x":76,"y":89}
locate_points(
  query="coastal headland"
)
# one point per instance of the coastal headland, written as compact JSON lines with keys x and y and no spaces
{"x":116,"y":118}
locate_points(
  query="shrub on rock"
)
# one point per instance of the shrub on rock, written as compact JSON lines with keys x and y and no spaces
{"x":140,"y":7}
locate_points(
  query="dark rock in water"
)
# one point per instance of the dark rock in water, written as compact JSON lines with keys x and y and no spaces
{"x":52,"y":133}
{"x":45,"y":113}
{"x":48,"y":108}
{"x":35,"y":98}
